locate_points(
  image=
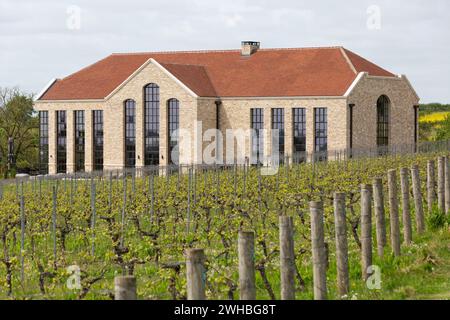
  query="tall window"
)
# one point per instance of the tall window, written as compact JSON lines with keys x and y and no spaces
{"x":278,"y":123}
{"x":320,"y":130}
{"x":43,"y":142}
{"x":299,"y":128}
{"x":257,"y":124}
{"x":173,"y":106}
{"x":151,"y":110}
{"x":98,"y":139}
{"x":79,"y":140}
{"x":61,"y":139}
{"x":383,"y":121}
{"x":130,"y":133}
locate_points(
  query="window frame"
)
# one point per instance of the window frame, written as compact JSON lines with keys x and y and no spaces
{"x":173,"y":123}
{"x":151,"y":124}
{"x":383,"y":121}
{"x":79,"y":140}
{"x":61,"y":141}
{"x":257,"y":126}
{"x":277,"y":122}
{"x":321,"y":130}
{"x":299,"y":133}
{"x":98,"y":139}
{"x":130,"y":133}
{"x":43,"y":142}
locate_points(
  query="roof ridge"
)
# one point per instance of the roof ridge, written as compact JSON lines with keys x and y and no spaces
{"x":225,"y":50}
{"x":171,"y":52}
{"x":183,"y":64}
{"x":348,"y":60}
{"x":201,"y":68}
{"x":210,"y":80}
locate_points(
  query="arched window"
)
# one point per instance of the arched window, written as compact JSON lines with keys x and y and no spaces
{"x":173,"y":116}
{"x":130,"y":133}
{"x":151,"y":125}
{"x":383,"y":104}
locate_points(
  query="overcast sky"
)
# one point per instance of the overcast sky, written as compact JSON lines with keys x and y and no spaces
{"x":45,"y":39}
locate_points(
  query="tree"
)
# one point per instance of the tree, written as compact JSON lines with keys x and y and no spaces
{"x":19,"y":122}
{"x":443,"y":132}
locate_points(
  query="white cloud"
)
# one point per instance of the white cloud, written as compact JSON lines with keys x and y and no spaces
{"x":36,"y":45}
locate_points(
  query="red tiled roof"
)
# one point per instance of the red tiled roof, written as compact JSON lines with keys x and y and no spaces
{"x":267,"y":73}
{"x":194,"y":77}
{"x":363,"y":65}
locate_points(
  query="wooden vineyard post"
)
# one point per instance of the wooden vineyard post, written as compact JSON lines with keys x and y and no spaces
{"x":287,"y":258}
{"x":393,"y":212}
{"x":406,"y":214}
{"x":366,"y":229}
{"x":54,"y":198}
{"x":125,"y":288}
{"x":447,"y":185}
{"x":441,"y":183}
{"x":431,"y":182}
{"x":341,"y":244}
{"x":22,"y":235}
{"x":318,"y":251}
{"x":93,"y":216}
{"x":246,"y":251}
{"x":378,"y":199}
{"x":195,"y":273}
{"x":418,"y":201}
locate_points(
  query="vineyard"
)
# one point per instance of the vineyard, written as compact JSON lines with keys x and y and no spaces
{"x":99,"y":227}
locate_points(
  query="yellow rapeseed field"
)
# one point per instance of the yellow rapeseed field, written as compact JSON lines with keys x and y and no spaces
{"x":434,"y":117}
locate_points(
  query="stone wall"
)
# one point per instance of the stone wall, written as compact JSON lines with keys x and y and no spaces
{"x":401,"y":111}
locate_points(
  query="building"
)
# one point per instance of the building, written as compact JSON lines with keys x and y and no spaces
{"x":119,"y":112}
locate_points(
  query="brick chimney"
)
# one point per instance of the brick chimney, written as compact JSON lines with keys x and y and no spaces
{"x":249,"y":47}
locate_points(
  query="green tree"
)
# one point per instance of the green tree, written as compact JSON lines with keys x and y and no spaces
{"x":19,"y":122}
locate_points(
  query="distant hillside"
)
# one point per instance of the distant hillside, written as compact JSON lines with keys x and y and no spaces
{"x":434,"y":107}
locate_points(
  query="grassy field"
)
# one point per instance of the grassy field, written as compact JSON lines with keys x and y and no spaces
{"x":422,"y":273}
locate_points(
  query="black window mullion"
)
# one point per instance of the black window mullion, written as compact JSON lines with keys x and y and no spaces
{"x":299,"y":134}
{"x":174,"y":119}
{"x":320,"y":131}
{"x":61,"y":137}
{"x":130,"y":133}
{"x":79,"y":140}
{"x":151,"y":124}
{"x":98,"y":139}
{"x":278,"y":123}
{"x":257,"y":116}
{"x":43,"y":142}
